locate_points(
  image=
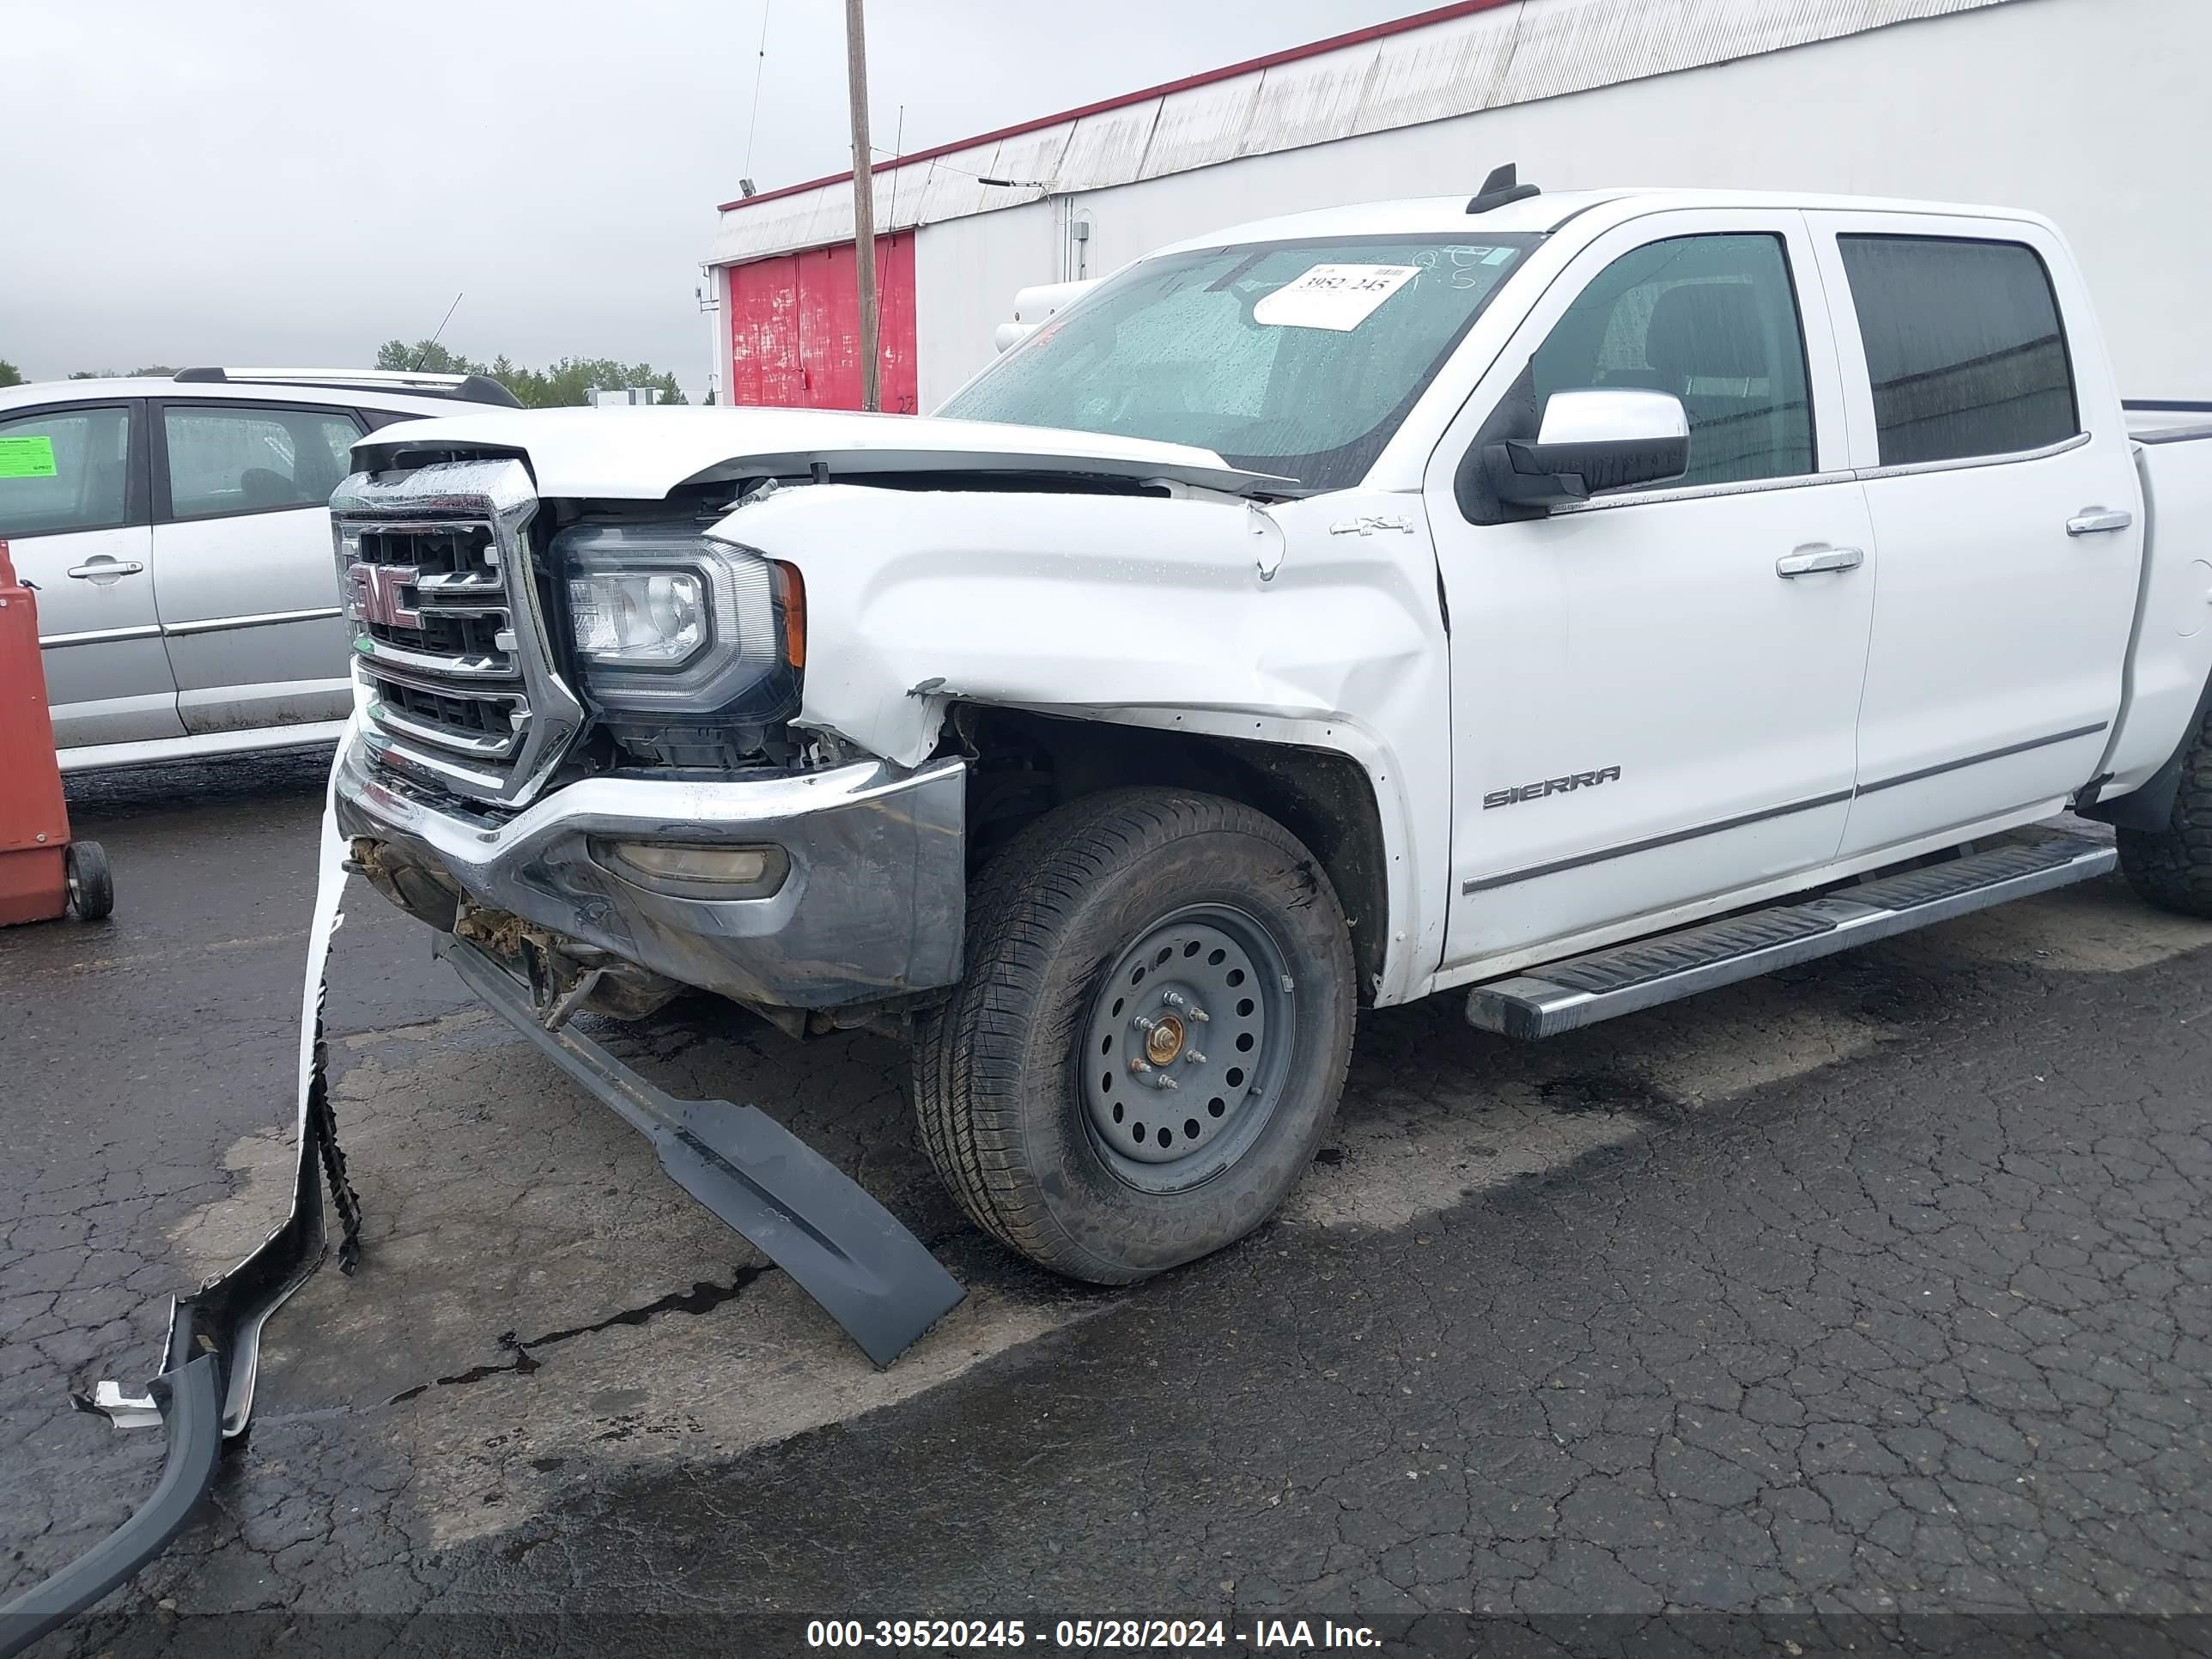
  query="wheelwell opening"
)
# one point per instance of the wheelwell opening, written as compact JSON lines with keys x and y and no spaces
{"x":1023,"y":765}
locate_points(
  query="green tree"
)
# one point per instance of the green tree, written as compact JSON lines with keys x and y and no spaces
{"x":10,"y":374}
{"x":425,"y":357}
{"x":567,"y":383}
{"x":159,"y":370}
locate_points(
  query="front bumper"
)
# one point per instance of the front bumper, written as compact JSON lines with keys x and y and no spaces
{"x":874,"y":905}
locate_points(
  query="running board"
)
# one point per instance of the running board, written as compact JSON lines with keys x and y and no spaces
{"x":1562,"y":996}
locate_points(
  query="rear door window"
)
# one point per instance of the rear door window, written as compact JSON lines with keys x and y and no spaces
{"x":1963,"y":346}
{"x":244,"y":457}
{"x":65,"y":469}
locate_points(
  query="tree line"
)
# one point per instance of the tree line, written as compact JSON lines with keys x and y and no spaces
{"x":571,"y":381}
{"x":568,"y":382}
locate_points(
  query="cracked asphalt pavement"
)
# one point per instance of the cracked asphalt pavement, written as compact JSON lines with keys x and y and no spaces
{"x":1880,"y":1290}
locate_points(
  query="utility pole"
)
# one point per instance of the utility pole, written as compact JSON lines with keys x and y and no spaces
{"x":864,"y":204}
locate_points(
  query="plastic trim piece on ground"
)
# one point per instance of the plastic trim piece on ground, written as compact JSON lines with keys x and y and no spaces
{"x":204,"y":1393}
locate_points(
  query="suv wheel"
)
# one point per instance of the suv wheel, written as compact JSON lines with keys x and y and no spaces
{"x":1150,"y":1038}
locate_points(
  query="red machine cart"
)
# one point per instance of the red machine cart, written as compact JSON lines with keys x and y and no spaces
{"x":43,"y":874}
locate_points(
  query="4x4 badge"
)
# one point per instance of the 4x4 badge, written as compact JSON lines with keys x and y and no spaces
{"x":1368,"y":522}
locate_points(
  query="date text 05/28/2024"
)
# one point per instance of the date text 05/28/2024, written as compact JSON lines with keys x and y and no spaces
{"x":1083,"y":1635}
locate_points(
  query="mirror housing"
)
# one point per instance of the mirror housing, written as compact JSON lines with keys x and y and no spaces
{"x":1599,"y":439}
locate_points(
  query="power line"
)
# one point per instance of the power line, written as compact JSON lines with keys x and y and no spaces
{"x":1003,"y":183}
{"x":898,"y":138}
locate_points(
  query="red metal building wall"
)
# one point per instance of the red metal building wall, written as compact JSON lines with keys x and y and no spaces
{"x":795,"y":328}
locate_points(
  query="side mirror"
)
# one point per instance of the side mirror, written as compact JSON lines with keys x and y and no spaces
{"x":1604,"y":437}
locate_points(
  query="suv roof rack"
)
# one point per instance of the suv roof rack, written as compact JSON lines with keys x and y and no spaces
{"x":463,"y":388}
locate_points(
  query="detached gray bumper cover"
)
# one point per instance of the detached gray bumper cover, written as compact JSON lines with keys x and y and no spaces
{"x":204,"y":1392}
{"x":874,"y":1277}
{"x":875,"y":904}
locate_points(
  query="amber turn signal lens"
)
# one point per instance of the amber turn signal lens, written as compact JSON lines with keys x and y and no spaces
{"x":693,"y":871}
{"x":795,"y":615}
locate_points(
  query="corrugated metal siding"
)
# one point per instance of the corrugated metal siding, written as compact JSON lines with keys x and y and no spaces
{"x":1514,"y":53}
{"x":1205,"y":124}
{"x":1459,"y":69}
{"x":1099,"y":146}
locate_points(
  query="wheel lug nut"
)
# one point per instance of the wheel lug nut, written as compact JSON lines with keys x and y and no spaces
{"x":1144,"y":1023}
{"x":1196,"y":1013}
{"x":1139,"y":1066}
{"x":1163,"y":1081}
{"x":1193,"y":1057}
{"x":1175,"y":999}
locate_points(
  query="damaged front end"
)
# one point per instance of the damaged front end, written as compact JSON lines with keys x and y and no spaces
{"x":571,"y":760}
{"x":864,"y":1267}
{"x":202,"y":1396}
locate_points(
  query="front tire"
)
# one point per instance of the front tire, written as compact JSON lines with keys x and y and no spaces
{"x":1125,"y":943}
{"x":2172,"y":868}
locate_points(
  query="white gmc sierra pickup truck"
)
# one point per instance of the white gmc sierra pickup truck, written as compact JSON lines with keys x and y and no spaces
{"x":1567,"y":601}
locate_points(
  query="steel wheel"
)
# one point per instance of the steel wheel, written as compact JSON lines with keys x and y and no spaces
{"x":1124,"y":942}
{"x":1179,"y":1075}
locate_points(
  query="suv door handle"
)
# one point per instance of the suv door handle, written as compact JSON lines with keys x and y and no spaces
{"x":1811,"y":559}
{"x":104,"y":568}
{"x":2097,"y":522}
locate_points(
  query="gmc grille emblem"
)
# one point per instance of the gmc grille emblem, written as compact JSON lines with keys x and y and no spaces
{"x":377,"y":593}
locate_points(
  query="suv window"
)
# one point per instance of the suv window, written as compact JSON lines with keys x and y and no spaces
{"x":65,"y":470}
{"x":1713,"y":319}
{"x":1963,"y":347}
{"x":244,"y":457}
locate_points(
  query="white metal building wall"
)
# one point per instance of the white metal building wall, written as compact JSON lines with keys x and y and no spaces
{"x":2091,"y":111}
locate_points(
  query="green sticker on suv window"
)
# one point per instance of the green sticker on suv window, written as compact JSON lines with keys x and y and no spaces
{"x":26,"y":457}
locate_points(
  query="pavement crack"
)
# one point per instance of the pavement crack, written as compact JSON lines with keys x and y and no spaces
{"x":704,"y":1297}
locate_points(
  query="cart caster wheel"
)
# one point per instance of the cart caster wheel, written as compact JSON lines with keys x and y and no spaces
{"x":91,"y":884}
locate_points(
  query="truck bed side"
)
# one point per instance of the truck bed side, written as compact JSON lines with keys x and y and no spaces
{"x":2170,"y":655}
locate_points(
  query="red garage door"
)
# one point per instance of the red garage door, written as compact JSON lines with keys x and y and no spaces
{"x":795,"y":328}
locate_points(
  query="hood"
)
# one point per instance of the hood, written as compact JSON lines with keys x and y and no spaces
{"x":643,"y":453}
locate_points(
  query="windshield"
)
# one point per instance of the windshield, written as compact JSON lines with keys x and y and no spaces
{"x":1295,"y":358}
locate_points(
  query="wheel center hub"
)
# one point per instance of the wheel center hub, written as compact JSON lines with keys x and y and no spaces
{"x":1164,"y":1041}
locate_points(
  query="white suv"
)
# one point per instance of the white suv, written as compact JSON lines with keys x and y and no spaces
{"x":178,"y":532}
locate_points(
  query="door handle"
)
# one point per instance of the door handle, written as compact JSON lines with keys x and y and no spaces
{"x":2097,"y":521}
{"x":106,"y":569}
{"x":1818,"y":558}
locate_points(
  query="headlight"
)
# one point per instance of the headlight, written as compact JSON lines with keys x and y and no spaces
{"x":685,"y":646}
{"x":645,"y":617}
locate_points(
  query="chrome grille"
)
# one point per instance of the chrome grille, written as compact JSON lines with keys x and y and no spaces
{"x":449,"y":650}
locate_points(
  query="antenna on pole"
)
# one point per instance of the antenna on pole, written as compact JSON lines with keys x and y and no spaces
{"x":864,"y":204}
{"x":433,"y":340}
{"x":752,"y":121}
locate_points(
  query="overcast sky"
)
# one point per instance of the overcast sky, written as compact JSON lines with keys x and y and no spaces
{"x":294,"y":181}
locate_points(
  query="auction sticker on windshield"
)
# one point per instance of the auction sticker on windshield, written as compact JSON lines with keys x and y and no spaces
{"x":1341,"y":297}
{"x":26,"y":457}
